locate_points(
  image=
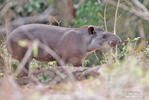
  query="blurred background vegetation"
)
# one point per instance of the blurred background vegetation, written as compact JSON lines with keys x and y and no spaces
{"x":76,"y":13}
{"x":131,"y":67}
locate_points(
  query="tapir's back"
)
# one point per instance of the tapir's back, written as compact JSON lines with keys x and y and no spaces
{"x":44,"y":33}
{"x":38,"y":31}
{"x":48,"y":34}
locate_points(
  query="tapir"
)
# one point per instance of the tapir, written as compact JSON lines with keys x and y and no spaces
{"x":72,"y":45}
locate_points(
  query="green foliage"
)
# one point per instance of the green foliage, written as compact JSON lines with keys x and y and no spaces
{"x":51,"y":1}
{"x":134,"y":64}
{"x":52,"y":63}
{"x":76,"y":1}
{"x":30,"y":7}
{"x":90,"y":12}
{"x":35,"y":5}
{"x":44,"y":77}
{"x":1,"y":2}
{"x":146,"y":51}
{"x":124,"y":48}
{"x":95,"y":58}
{"x":35,"y":64}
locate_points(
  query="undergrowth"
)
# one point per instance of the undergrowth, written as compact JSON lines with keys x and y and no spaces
{"x":125,"y":77}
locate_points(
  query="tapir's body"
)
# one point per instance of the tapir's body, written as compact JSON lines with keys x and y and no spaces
{"x":71,"y":44}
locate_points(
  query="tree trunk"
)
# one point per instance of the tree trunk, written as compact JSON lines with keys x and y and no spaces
{"x":64,"y":11}
{"x":70,"y":10}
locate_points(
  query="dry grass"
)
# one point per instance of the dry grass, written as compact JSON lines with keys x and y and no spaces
{"x":127,"y":79}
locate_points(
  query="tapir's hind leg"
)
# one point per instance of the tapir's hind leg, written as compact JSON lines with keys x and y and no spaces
{"x":19,"y":52}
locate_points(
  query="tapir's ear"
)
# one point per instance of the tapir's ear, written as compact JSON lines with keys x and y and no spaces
{"x":91,"y":30}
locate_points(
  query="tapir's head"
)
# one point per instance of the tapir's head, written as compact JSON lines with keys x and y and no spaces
{"x":99,"y":37}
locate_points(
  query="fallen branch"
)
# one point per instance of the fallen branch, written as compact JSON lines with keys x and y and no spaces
{"x":40,"y":18}
{"x":59,"y":74}
{"x":5,"y":3}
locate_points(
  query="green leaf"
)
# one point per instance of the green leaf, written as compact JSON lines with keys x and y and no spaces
{"x":22,"y":43}
{"x":14,"y":66}
{"x":44,"y":77}
{"x":19,"y":9}
{"x":137,"y":38}
{"x":51,"y":1}
{"x":30,"y":9}
{"x":100,"y":15}
{"x":85,"y":63}
{"x":35,"y":49}
{"x":37,"y":5}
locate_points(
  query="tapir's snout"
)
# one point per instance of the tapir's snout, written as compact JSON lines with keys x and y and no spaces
{"x":112,"y":39}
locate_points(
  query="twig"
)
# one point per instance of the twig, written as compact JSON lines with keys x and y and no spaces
{"x":116,"y":15}
{"x":5,"y":3}
{"x":24,"y":61}
{"x":115,"y":23}
{"x":140,"y":5}
{"x":39,"y":18}
{"x":53,"y":54}
{"x":137,"y":12}
{"x":141,"y":31}
{"x":105,"y":22}
{"x":96,"y":55}
{"x":26,"y":20}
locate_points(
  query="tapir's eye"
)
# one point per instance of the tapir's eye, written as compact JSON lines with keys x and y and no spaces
{"x":104,"y":36}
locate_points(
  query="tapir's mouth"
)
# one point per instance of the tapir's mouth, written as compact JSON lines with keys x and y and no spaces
{"x":102,"y":42}
{"x":112,"y":43}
